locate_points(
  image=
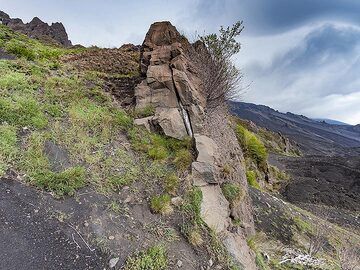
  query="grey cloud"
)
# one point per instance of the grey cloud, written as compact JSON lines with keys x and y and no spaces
{"x":312,"y":75}
{"x":269,"y":17}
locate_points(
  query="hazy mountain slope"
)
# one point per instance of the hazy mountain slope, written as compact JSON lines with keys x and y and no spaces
{"x":314,"y":137}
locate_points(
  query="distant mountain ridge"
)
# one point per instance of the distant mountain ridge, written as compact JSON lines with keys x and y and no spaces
{"x":313,"y":136}
{"x":38,"y":29}
{"x":331,"y":121}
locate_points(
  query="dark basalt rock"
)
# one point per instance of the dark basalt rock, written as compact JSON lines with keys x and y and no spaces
{"x":38,"y":29}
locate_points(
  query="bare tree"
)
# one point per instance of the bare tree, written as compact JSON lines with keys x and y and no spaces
{"x":212,"y":59}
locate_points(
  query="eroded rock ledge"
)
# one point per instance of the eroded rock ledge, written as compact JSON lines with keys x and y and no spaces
{"x":172,"y":88}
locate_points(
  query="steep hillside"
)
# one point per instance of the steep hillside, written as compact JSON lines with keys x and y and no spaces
{"x":105,"y":165}
{"x":314,"y":137}
{"x":324,"y":181}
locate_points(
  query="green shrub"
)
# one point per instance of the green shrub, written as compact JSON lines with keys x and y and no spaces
{"x":252,"y":146}
{"x":251,"y":178}
{"x":161,"y":204}
{"x":154,"y":258}
{"x":232,"y":192}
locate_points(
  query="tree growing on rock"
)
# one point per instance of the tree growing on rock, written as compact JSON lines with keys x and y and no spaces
{"x":212,"y":56}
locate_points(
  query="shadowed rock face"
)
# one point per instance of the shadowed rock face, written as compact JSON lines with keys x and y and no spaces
{"x":37,"y":29}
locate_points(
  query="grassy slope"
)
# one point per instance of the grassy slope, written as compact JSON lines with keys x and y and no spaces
{"x":47,"y":105}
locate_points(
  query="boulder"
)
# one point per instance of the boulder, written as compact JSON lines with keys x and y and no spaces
{"x":144,"y":122}
{"x":214,"y":208}
{"x":170,"y":122}
{"x":206,"y":149}
{"x":204,"y":171}
{"x":237,"y":247}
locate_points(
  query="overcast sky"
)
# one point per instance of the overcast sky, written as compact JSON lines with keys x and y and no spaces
{"x":301,"y":56}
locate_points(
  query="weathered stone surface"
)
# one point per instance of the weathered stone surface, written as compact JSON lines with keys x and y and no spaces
{"x":164,"y":97}
{"x":144,"y":122}
{"x":143,"y":95}
{"x":170,"y":122}
{"x":206,"y":149}
{"x":170,"y":81}
{"x":37,"y":29}
{"x":204,"y":171}
{"x":214,"y":208}
{"x":237,"y":247}
{"x":159,"y":76}
{"x":58,"y":156}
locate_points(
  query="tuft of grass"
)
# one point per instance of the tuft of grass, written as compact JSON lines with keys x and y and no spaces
{"x":194,"y":237}
{"x":183,"y":159}
{"x":62,"y":183}
{"x":302,"y":225}
{"x":251,"y":178}
{"x":172,"y":183}
{"x":148,"y":110}
{"x":161,"y":204}
{"x":232,"y":192}
{"x":161,"y":148}
{"x":154,"y":258}
{"x":8,"y":147}
{"x":252,"y":146}
{"x":22,"y":111}
{"x":192,"y":205}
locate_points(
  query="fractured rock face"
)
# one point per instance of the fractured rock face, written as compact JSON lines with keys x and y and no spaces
{"x":171,"y":86}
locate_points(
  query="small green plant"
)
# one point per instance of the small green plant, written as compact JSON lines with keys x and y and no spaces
{"x":154,"y":258}
{"x":232,"y":192}
{"x":183,"y":159}
{"x":148,"y":110}
{"x":161,"y":148}
{"x":251,"y":178}
{"x":161,"y":204}
{"x":252,"y":146}
{"x":172,"y":183}
{"x":302,"y":225}
{"x":192,"y":205}
{"x":63,"y":183}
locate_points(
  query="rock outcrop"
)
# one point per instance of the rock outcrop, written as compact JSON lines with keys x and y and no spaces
{"x":37,"y":29}
{"x":172,"y":87}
